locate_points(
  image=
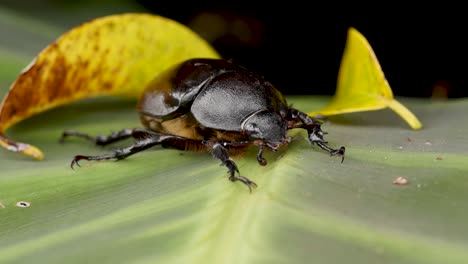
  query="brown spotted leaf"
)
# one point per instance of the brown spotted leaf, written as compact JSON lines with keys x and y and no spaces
{"x":114,"y":55}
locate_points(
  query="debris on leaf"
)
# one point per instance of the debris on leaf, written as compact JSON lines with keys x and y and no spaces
{"x":400,"y":181}
{"x":362,"y":85}
{"x":23,"y":204}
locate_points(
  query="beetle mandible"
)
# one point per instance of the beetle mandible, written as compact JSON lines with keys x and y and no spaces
{"x":211,"y":105}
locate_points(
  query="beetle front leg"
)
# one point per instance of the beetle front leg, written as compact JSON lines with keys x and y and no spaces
{"x":261,"y":160}
{"x":221,"y":153}
{"x":315,"y":132}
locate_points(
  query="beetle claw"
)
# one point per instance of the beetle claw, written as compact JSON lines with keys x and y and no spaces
{"x":76,"y":159}
{"x":73,"y":163}
{"x":246,"y":181}
{"x":262,"y":161}
{"x":340,"y":151}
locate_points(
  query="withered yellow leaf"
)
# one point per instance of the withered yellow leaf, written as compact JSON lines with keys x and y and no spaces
{"x":362,"y":85}
{"x":114,"y":55}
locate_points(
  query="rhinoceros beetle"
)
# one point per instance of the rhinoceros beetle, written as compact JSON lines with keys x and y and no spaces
{"x":211,"y":105}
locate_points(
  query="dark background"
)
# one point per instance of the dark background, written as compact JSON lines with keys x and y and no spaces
{"x":298,"y":45}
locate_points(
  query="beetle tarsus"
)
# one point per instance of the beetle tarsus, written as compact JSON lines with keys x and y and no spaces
{"x":222,"y":154}
{"x":250,"y":184}
{"x":340,"y":151}
{"x":75,"y":161}
{"x":123,"y":153}
{"x":77,"y":158}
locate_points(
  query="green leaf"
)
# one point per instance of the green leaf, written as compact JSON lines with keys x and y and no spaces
{"x":167,"y":206}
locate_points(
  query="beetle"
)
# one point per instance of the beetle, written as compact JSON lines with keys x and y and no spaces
{"x":211,"y":105}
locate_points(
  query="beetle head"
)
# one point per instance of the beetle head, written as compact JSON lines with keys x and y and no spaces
{"x":268,"y":126}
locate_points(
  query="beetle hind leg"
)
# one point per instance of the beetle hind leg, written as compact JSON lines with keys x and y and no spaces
{"x":222,"y":154}
{"x":119,"y":154}
{"x":103,"y":140}
{"x":151,"y":139}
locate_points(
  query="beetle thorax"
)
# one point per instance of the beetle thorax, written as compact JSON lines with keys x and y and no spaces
{"x":267,"y":126}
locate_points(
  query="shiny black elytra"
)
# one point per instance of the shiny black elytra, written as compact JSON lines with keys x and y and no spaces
{"x":214,"y":106}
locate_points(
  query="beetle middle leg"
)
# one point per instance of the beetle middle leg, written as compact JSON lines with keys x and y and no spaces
{"x":221,"y":153}
{"x":315,"y":132}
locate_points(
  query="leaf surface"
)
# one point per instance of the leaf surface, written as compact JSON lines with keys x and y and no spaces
{"x":167,"y":206}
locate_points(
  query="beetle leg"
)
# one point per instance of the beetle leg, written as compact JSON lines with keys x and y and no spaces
{"x":261,"y":160}
{"x":221,"y":153}
{"x":177,"y":142}
{"x":102,"y":140}
{"x":151,"y":140}
{"x":332,"y":152}
{"x":122,"y":153}
{"x":315,"y":132}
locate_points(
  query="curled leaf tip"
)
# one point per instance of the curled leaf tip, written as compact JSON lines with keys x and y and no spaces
{"x":22,"y":148}
{"x":362,"y":85}
{"x":406,"y":114}
{"x":33,"y":152}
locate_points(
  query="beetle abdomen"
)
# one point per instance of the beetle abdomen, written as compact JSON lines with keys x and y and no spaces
{"x":187,"y":127}
{"x":182,"y":126}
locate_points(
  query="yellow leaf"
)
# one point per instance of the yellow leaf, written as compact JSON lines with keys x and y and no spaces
{"x":362,"y":85}
{"x":114,"y":55}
